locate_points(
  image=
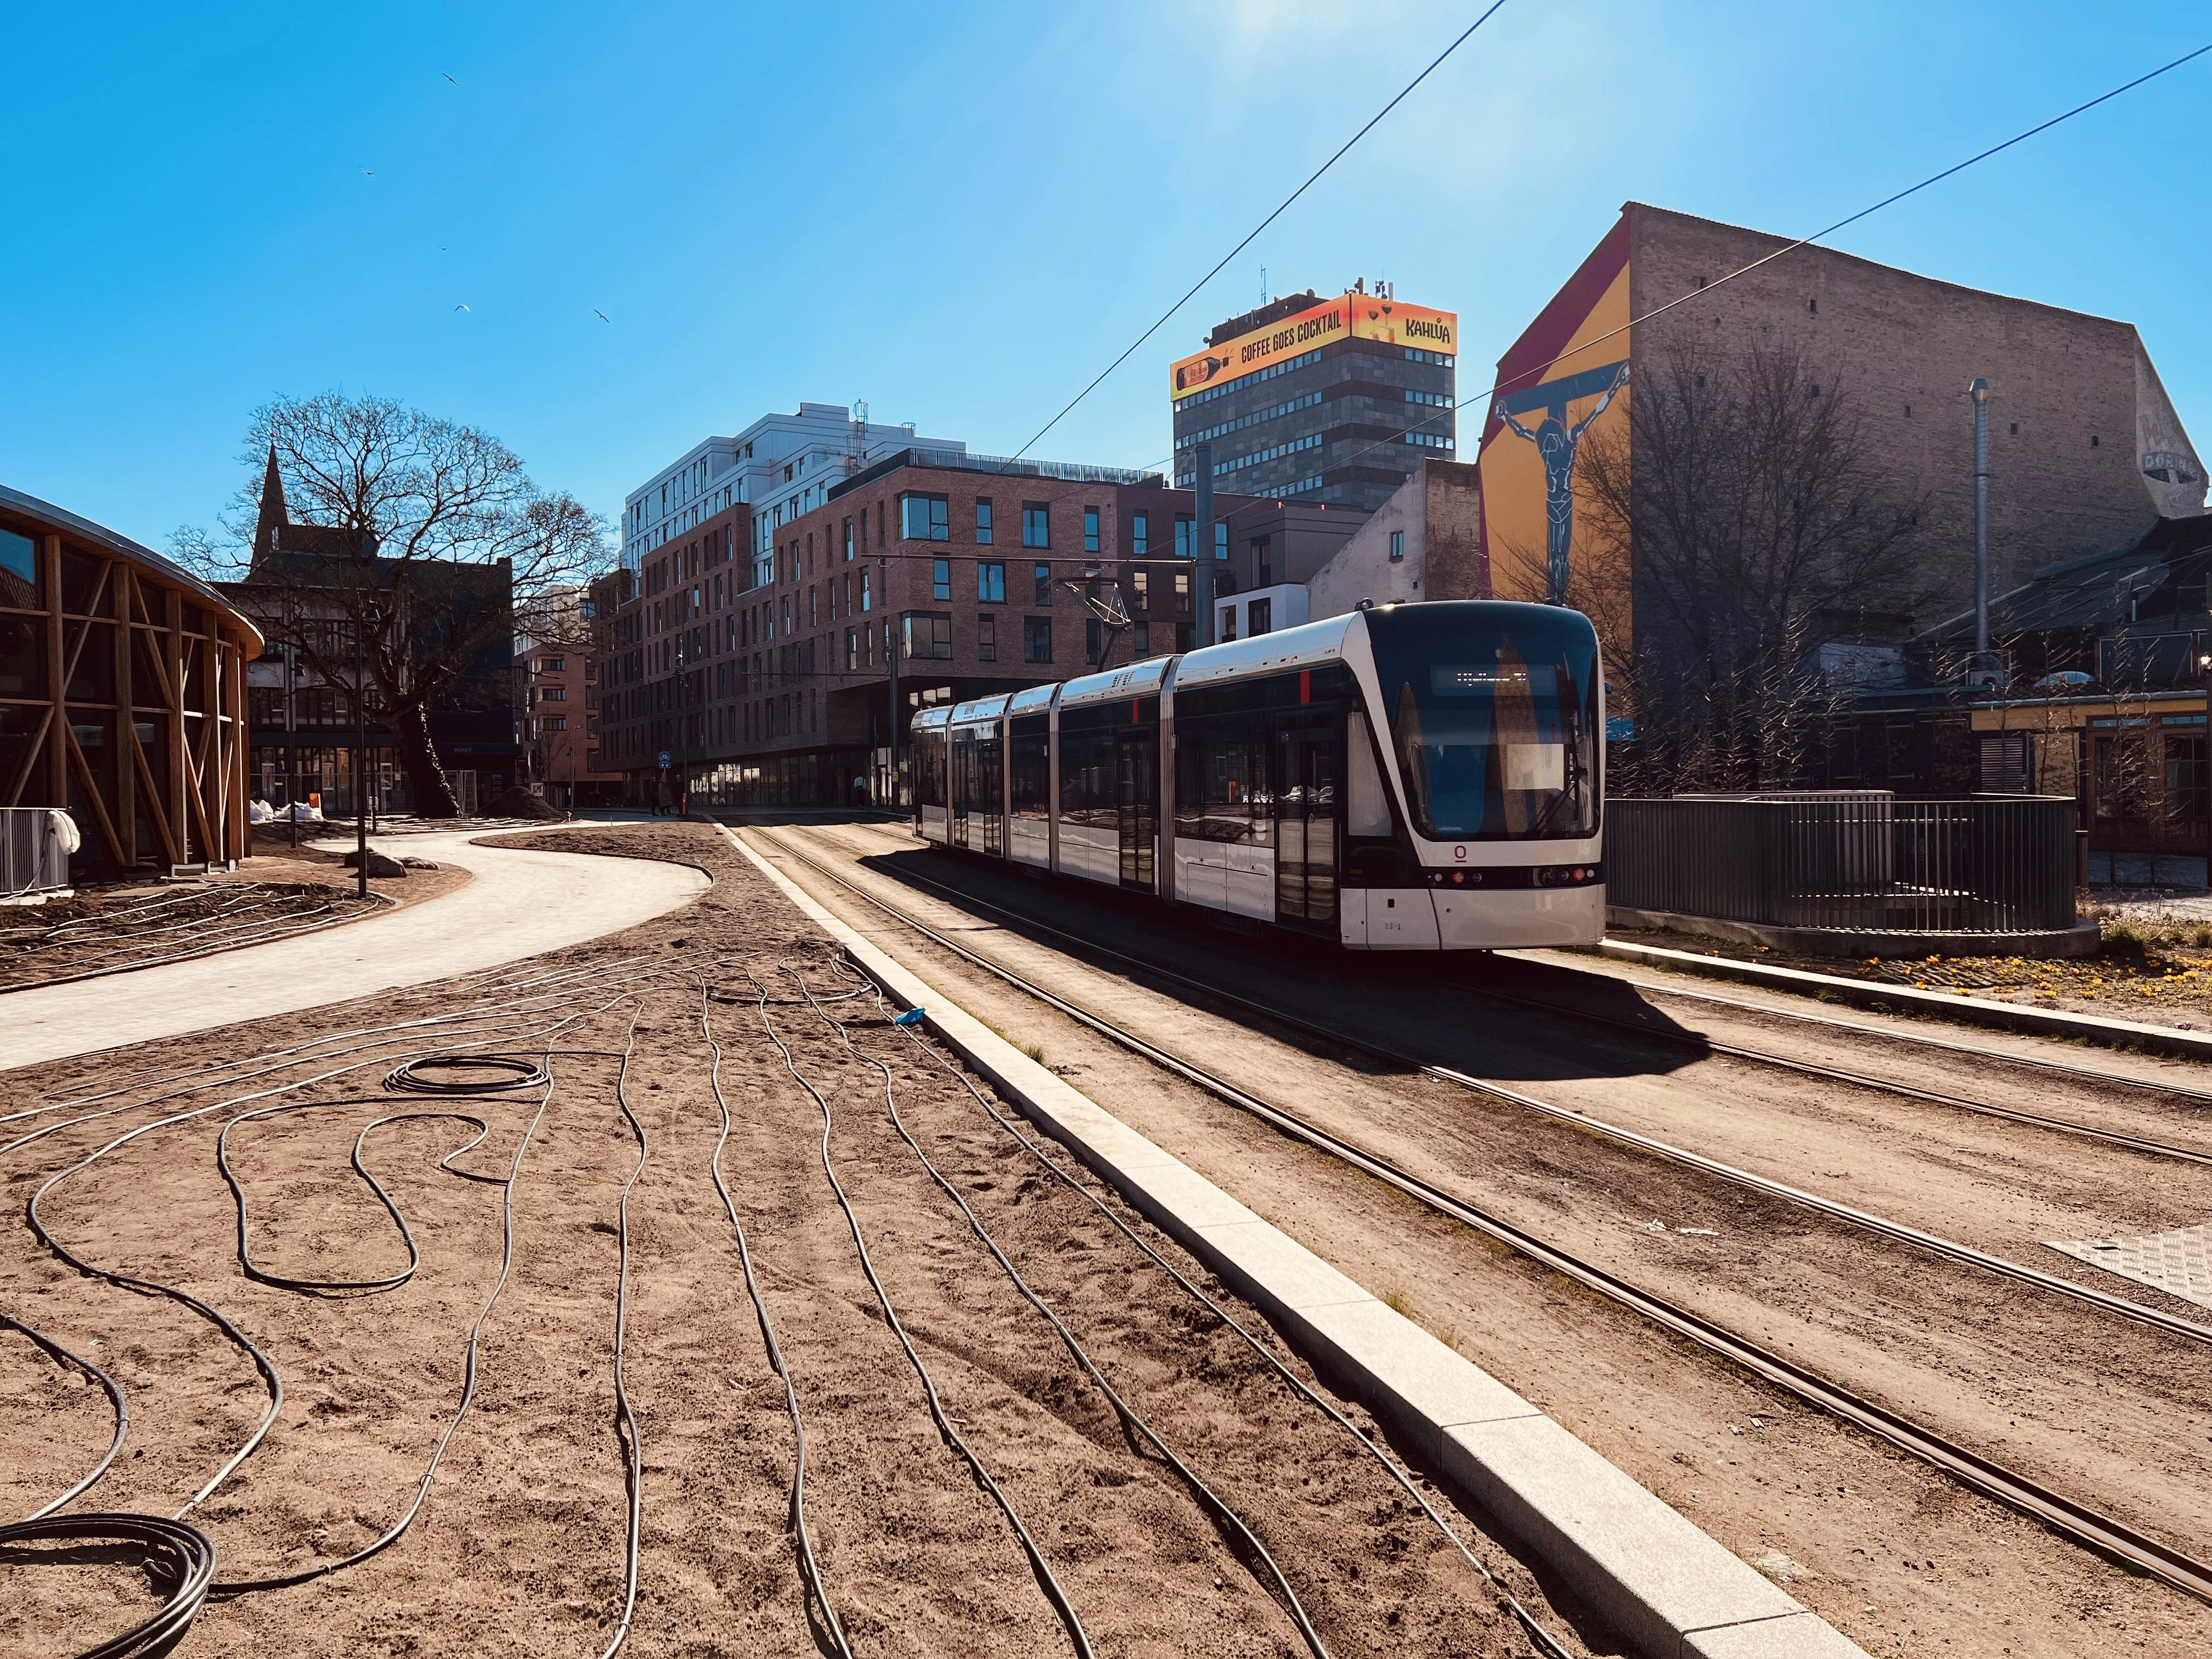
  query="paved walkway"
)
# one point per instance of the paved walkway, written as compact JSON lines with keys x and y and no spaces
{"x":520,"y":904}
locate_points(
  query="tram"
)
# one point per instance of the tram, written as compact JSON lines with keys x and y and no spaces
{"x":1425,"y":777}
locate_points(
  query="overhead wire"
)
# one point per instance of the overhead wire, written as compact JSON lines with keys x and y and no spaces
{"x":1281,"y":208}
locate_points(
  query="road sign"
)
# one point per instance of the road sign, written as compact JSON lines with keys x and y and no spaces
{"x":663,"y":760}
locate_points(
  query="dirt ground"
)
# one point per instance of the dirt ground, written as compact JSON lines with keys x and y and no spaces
{"x":2158,"y":974}
{"x":522,"y":1544}
{"x":1893,"y":1552}
{"x":123,"y":925}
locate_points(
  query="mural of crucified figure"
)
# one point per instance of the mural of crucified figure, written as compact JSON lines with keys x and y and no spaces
{"x":1556,"y":442}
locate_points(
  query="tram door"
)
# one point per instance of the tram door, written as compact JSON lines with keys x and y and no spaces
{"x":990,"y":791}
{"x":1137,"y":809}
{"x":962,"y":748}
{"x":1309,"y":762}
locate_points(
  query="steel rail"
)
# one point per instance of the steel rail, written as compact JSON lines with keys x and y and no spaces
{"x":1541,"y":1637}
{"x":2055,"y":1284}
{"x":2089,"y":1074}
{"x":1861,"y":1079}
{"x":2085,"y":1525}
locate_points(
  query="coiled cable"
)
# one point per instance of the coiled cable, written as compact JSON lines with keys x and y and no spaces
{"x":181,"y":1563}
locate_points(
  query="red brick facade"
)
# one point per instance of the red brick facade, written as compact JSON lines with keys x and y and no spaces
{"x":764,"y":676}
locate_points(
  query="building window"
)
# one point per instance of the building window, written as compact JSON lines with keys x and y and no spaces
{"x":983,"y":519}
{"x":1090,"y":530}
{"x":925,"y":518}
{"x":990,"y":582}
{"x":1144,"y":641}
{"x":987,"y":637}
{"x":1036,"y":639}
{"x":1140,"y":532}
{"x":1186,"y":529}
{"x":1093,"y":639}
{"x":1397,"y":546}
{"x":1183,"y":594}
{"x":849,"y":540}
{"x":941,"y":578}
{"x":928,"y":635}
{"x":1043,"y":573}
{"x":866,"y":598}
{"x":1036,"y":524}
{"x":1221,"y":538}
{"x":1258,"y":617}
{"x":1141,"y":585}
{"x":552,"y":693}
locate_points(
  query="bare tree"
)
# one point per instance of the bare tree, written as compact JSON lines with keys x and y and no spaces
{"x":1736,"y":521}
{"x":426,"y":539}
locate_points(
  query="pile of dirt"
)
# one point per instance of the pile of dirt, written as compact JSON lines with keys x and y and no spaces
{"x":519,"y":803}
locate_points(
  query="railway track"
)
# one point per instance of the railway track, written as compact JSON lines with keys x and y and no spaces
{"x":2078,"y":1520}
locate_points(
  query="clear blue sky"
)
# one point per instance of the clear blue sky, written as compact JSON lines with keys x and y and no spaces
{"x":960,"y":212}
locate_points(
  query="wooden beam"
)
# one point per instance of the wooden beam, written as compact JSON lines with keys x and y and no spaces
{"x":198,"y":793}
{"x":27,"y":768}
{"x":92,"y":794}
{"x":56,"y":687}
{"x":126,"y":776}
{"x":179,"y":778}
{"x":159,"y":819}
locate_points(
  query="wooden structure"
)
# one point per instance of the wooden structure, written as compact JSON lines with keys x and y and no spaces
{"x":122,"y":694}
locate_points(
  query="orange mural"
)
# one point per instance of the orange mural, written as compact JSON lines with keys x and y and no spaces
{"x":1349,"y":316}
{"x":1565,"y":378}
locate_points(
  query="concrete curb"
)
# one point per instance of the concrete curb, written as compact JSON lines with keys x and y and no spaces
{"x":1673,"y":1591}
{"x":1902,"y":999}
{"x":2080,"y":940}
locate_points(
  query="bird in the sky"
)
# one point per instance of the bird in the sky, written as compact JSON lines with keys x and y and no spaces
{"x":449,"y":77}
{"x":601,"y":315}
{"x":366,"y":174}
{"x":461,"y":308}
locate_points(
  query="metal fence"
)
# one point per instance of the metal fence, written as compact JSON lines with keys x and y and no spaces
{"x":1860,"y":861}
{"x":32,"y":857}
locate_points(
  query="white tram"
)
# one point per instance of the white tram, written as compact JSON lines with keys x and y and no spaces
{"x":1407,"y":777}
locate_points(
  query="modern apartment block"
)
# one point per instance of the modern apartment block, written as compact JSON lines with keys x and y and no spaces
{"x":1335,"y":401}
{"x":931,"y":576}
{"x":779,"y":466}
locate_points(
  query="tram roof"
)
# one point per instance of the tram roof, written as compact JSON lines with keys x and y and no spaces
{"x":982,"y":708}
{"x":1290,"y":647}
{"x":1138,"y":679}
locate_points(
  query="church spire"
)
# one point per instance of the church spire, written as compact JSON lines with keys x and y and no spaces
{"x":274,"y":514}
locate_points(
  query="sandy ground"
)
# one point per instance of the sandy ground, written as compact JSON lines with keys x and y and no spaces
{"x":1888,"y":1549}
{"x":521,"y":1545}
{"x":127,"y":924}
{"x":2156,"y":971}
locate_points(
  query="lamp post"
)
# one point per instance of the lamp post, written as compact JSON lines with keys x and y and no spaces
{"x":360,"y":755}
{"x":1984,"y":670}
{"x":890,"y":667}
{"x":1202,"y":550}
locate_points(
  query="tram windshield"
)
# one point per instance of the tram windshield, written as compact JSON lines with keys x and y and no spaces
{"x":1493,"y":715}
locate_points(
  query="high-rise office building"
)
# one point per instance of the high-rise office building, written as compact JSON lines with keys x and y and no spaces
{"x":1332,"y":401}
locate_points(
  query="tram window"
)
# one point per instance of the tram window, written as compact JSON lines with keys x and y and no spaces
{"x":1030,"y":757}
{"x":1495,"y":728}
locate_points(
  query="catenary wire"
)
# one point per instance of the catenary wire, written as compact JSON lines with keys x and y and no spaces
{"x":1284,"y":207}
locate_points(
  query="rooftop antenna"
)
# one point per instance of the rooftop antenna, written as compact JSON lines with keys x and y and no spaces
{"x":1263,"y":285}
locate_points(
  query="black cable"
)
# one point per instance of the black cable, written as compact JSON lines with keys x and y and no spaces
{"x":625,"y":1417}
{"x":810,"y":1571}
{"x":1283,"y":208}
{"x":117,"y":1406}
{"x":953,"y":1437}
{"x":1135,"y":1424}
{"x":500,"y":1072}
{"x":182,"y":1564}
{"x":1544,"y":1641}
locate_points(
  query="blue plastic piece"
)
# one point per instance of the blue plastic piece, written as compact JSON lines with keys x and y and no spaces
{"x":911,"y":1016}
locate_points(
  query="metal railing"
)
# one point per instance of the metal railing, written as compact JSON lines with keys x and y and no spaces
{"x":1855,"y":861}
{"x":33,"y":859}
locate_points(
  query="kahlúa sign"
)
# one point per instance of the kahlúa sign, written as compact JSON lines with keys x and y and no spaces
{"x":1361,"y":316}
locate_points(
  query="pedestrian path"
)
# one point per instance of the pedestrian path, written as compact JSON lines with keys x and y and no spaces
{"x":522,"y":902}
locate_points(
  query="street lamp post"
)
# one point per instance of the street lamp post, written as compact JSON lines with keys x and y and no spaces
{"x":890,"y":667}
{"x":360,"y":756}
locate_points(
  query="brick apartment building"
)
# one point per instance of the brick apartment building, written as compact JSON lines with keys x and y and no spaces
{"x":560,"y":694}
{"x":931,"y":576}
